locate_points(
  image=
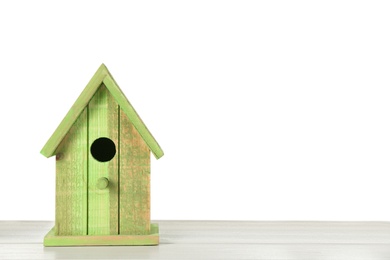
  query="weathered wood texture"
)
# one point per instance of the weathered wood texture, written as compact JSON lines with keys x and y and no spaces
{"x":124,"y":206}
{"x":102,"y":197}
{"x":71,"y":180}
{"x":128,"y":109}
{"x":102,"y":203}
{"x":134,"y":178}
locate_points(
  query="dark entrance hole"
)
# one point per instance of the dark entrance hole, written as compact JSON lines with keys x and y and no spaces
{"x":103,"y":149}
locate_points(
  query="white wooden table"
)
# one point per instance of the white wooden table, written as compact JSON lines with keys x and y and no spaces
{"x":217,"y":240}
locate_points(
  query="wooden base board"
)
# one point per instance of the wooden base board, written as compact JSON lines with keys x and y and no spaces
{"x":110,"y":240}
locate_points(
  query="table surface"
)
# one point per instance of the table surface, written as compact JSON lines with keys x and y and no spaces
{"x":216,"y":240}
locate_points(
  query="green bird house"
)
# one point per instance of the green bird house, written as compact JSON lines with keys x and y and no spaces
{"x":102,"y":150}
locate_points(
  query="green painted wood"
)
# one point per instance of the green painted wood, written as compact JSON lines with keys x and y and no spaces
{"x":102,"y":203}
{"x":82,"y":101}
{"x":101,"y":75}
{"x":95,"y":199}
{"x":51,"y":239}
{"x":71,"y":180}
{"x":102,"y":183}
{"x":133,"y":116}
{"x":134,"y":169}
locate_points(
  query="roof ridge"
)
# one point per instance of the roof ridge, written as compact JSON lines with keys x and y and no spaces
{"x":102,"y":75}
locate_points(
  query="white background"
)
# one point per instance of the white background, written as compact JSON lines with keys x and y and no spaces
{"x":276,"y":110}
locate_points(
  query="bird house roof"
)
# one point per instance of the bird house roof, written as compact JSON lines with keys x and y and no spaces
{"x":102,"y":75}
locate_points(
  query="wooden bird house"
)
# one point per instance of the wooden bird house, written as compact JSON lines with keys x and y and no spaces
{"x":102,"y":151}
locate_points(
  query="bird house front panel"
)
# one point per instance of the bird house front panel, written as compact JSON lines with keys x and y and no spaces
{"x":103,"y":173}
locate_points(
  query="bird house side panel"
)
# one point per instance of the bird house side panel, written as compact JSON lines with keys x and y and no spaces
{"x":71,"y":180}
{"x":134,"y":170}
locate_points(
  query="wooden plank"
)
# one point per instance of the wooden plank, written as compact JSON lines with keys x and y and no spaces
{"x":103,"y":203}
{"x":235,"y":251}
{"x":218,"y":240}
{"x":270,"y":240}
{"x":105,"y":240}
{"x":231,"y":232}
{"x":71,"y":180}
{"x":134,"y":170}
{"x":133,"y":116}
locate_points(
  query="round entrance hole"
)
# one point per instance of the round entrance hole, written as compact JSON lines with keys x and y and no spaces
{"x":103,"y":149}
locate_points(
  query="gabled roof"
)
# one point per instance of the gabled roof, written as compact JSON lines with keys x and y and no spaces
{"x":102,"y":75}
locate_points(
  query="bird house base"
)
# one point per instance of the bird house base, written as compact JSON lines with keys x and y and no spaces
{"x":105,"y":240}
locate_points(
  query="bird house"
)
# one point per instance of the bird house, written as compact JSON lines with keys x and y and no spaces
{"x":102,"y":150}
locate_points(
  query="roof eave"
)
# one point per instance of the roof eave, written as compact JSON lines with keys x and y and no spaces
{"x":134,"y":118}
{"x":81,"y":102}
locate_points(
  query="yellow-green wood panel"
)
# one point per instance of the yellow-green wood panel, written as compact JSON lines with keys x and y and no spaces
{"x":71,"y":180}
{"x":134,"y":175}
{"x":102,"y":203}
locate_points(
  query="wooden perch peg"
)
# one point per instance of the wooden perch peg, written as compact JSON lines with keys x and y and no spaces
{"x":102,"y":183}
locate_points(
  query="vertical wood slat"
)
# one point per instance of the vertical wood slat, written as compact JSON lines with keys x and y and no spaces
{"x":71,"y":180}
{"x":103,"y":204}
{"x":134,"y":171}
